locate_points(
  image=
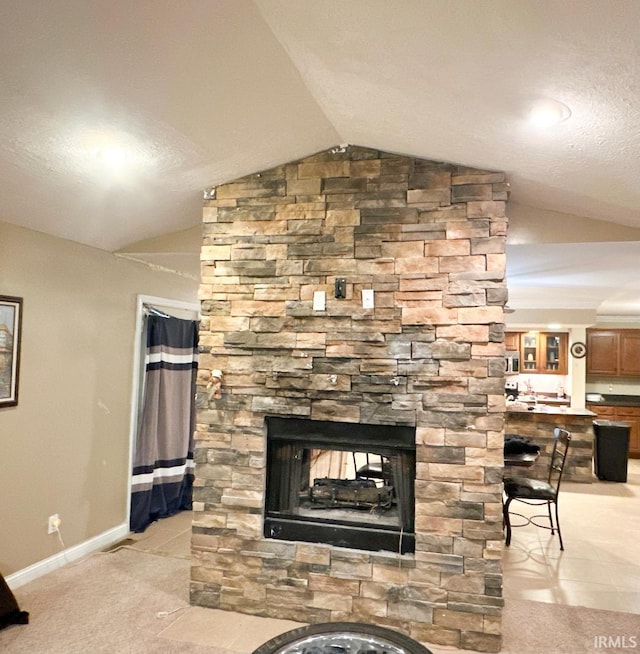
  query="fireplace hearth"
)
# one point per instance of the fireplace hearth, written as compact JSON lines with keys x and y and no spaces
{"x":342,"y":484}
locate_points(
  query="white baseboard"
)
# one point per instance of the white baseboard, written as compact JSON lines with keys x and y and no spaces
{"x":41,"y":568}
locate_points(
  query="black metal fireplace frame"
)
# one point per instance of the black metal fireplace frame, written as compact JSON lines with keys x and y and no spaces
{"x":287,"y":438}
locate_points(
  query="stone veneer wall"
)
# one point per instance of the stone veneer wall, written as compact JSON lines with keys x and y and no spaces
{"x":429,"y":238}
{"x":539,"y":428}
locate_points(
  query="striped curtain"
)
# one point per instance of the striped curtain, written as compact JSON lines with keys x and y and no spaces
{"x":163,"y":458}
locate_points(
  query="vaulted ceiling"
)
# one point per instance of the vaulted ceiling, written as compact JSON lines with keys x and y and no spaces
{"x":201,"y":92}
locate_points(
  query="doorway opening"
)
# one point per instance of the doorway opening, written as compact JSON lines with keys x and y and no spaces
{"x":163,"y":413}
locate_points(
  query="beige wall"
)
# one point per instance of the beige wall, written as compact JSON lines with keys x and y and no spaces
{"x":64,"y":449}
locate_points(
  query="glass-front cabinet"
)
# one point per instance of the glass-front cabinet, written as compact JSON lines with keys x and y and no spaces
{"x":544,"y":352}
{"x":554,"y":354}
{"x":530,"y":350}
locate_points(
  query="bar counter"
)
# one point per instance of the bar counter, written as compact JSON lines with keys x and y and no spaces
{"x":538,"y":425}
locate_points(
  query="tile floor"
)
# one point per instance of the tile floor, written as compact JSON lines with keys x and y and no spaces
{"x":599,"y":568}
{"x":170,"y":537}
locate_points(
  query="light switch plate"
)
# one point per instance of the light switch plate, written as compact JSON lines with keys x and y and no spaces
{"x":367,"y":298}
{"x":318,"y":300}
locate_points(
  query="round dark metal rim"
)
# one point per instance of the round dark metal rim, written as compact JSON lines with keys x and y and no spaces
{"x":355,"y":642}
{"x":342,"y":638}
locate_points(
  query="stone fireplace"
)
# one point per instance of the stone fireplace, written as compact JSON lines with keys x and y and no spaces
{"x":350,"y":467}
{"x":340,"y":483}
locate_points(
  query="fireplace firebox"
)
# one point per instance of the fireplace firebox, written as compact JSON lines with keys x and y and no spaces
{"x":343,"y":484}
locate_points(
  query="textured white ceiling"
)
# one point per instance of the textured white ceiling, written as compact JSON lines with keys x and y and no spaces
{"x":454,"y":81}
{"x":202,"y":90}
{"x":205,"y":91}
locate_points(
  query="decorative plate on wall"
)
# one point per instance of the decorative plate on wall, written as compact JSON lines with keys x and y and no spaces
{"x":578,"y":349}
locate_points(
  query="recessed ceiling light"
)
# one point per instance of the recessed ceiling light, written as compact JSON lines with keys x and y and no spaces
{"x":112,"y":156}
{"x":547,"y":112}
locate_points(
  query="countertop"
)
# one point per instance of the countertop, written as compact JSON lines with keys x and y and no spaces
{"x":618,"y":400}
{"x":548,"y":409}
{"x":543,"y":399}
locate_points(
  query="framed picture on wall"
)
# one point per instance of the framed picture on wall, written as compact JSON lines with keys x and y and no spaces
{"x":10,"y":332}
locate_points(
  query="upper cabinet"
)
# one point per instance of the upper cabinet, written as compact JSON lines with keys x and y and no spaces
{"x":555,"y":353}
{"x":530,"y":352}
{"x":630,"y":352}
{"x":512,"y":341}
{"x":602,"y":352}
{"x":613,"y":352}
{"x":541,"y":352}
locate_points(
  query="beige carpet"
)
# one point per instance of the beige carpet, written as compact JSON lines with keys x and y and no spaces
{"x":109,"y":603}
{"x":540,"y":628}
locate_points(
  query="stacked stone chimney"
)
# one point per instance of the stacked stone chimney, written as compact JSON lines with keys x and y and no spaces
{"x":429,"y":239}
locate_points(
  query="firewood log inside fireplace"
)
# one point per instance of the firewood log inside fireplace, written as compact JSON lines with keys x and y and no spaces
{"x":350,"y":493}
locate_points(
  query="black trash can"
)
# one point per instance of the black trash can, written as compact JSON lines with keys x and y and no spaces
{"x":611,"y":451}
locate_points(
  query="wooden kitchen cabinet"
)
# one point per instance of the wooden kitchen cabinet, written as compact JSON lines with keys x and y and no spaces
{"x":512,"y":341}
{"x":630,"y":352}
{"x":602,"y":352}
{"x":529,"y":352}
{"x":554,"y":350}
{"x":629,"y":414}
{"x":603,"y":412}
{"x":613,"y":352}
{"x":543,"y":353}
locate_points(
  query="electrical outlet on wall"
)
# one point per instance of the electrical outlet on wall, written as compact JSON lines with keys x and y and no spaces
{"x":54,"y":523}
